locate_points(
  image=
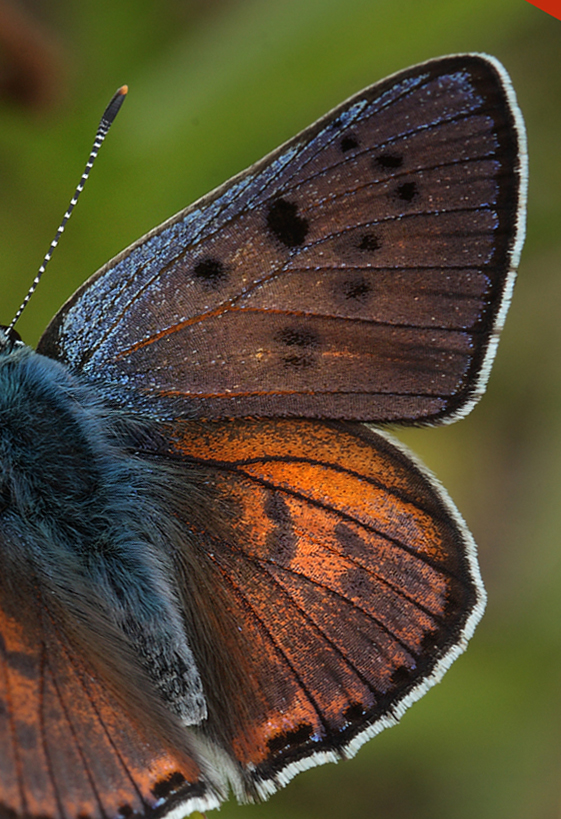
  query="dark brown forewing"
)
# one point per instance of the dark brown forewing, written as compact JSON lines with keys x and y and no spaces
{"x":68,"y":749}
{"x":362,"y":270}
{"x":344,"y":581}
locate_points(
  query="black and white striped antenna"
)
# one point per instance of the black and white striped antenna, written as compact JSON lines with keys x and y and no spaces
{"x":106,"y":121}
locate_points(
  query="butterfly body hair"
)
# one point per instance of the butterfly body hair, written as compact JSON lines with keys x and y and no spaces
{"x":81,"y":512}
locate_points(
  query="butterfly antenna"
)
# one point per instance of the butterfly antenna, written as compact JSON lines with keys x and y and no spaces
{"x":106,"y":121}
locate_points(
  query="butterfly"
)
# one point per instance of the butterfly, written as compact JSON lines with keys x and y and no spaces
{"x":214,"y":572}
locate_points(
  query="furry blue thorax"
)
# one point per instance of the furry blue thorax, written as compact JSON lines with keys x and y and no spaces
{"x":82,"y":512}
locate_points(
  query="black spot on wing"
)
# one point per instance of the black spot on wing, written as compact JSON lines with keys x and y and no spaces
{"x":304,"y":341}
{"x":281,"y":542}
{"x":352,"y":544}
{"x":407,"y":191}
{"x":22,"y":663}
{"x":298,"y":362}
{"x":169,"y":785}
{"x":210,"y":272}
{"x":357,"y":290}
{"x":401,"y":676}
{"x":298,"y":337}
{"x":348,"y":142}
{"x":389,"y":161}
{"x":288,"y":739}
{"x":430,"y":642}
{"x":354,"y":712}
{"x":285,"y":224}
{"x":369,"y":241}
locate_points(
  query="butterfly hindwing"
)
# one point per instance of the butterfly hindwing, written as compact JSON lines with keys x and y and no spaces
{"x":347,"y":578}
{"x":68,"y":747}
{"x":360,"y":271}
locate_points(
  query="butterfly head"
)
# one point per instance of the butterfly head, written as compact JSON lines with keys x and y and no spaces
{"x":9,"y":338}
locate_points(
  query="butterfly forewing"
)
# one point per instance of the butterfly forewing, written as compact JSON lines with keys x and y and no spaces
{"x":360,"y":271}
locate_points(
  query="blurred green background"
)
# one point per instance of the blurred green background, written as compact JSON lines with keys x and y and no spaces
{"x":213,"y":86}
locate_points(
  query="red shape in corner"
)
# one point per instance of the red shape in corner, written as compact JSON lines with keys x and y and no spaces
{"x":552,"y":7}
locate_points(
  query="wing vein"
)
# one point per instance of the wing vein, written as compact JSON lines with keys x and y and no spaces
{"x":262,"y":627}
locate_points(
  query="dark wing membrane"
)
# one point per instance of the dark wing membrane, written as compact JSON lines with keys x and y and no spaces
{"x":67,"y":747}
{"x":342,"y":580}
{"x":360,"y":271}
